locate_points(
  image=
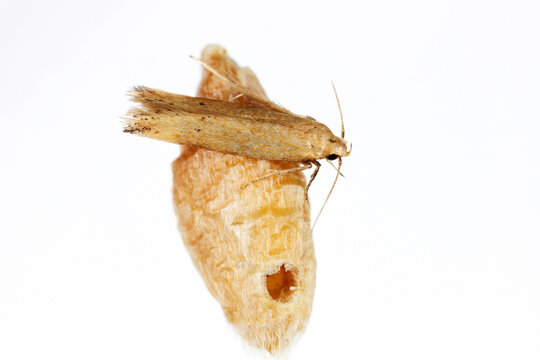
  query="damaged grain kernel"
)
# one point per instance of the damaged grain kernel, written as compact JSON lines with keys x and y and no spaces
{"x":253,"y":247}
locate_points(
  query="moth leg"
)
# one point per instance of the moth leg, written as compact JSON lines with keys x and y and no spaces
{"x":314,"y":174}
{"x":306,"y":165}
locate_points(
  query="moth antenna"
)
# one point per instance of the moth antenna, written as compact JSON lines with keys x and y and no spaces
{"x":236,"y":97}
{"x":334,"y":166}
{"x":340,"y":112}
{"x":215,"y":72}
{"x":330,"y":193}
{"x":258,"y":97}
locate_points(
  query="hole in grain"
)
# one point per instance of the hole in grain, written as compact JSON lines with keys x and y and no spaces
{"x":281,"y":285}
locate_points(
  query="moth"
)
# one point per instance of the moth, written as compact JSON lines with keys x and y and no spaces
{"x":259,"y":129}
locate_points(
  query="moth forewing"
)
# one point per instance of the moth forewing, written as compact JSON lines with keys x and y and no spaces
{"x":248,"y":130}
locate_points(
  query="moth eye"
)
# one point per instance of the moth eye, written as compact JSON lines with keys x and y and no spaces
{"x":332,"y":157}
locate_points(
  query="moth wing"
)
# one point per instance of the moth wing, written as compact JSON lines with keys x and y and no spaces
{"x":248,"y":130}
{"x":252,"y":90}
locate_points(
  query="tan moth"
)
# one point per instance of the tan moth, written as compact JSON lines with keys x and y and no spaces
{"x":260,"y":129}
{"x":253,"y":131}
{"x":253,"y":247}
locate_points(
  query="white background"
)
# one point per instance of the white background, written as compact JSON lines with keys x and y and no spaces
{"x":428,"y":249}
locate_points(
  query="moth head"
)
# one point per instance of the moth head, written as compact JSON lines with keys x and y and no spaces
{"x":337,"y":147}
